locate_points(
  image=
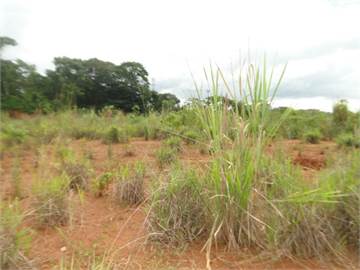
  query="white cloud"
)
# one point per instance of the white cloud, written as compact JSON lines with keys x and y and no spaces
{"x":319,"y":39}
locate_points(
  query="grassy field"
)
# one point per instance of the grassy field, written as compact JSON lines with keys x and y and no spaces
{"x":208,"y":186}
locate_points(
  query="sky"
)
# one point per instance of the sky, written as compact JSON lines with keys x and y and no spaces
{"x":319,"y":40}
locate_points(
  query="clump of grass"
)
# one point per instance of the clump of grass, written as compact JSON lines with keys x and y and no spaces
{"x":307,"y":231}
{"x":16,"y":191}
{"x":344,"y":177}
{"x":165,"y":156}
{"x":51,"y":201}
{"x":14,"y":239}
{"x":173,"y":143}
{"x":129,"y":185}
{"x":152,"y":128}
{"x":128,"y":151}
{"x":190,"y":136}
{"x":77,"y":171}
{"x":312,"y":137}
{"x":101,"y":183}
{"x":115,"y":135}
{"x":348,"y":140}
{"x":11,"y":135}
{"x":177,"y":213}
{"x":78,"y":175}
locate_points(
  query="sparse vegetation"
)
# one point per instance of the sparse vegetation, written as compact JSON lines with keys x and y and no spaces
{"x":173,"y":143}
{"x":312,"y":136}
{"x":165,"y":156}
{"x":243,"y":192}
{"x":177,"y":213}
{"x":78,"y":175}
{"x":14,"y":239}
{"x":51,"y":205}
{"x":348,"y":140}
{"x":129,"y":185}
{"x":114,"y":135}
{"x":101,"y":183}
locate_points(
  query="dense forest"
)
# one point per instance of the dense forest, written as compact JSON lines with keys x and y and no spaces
{"x":91,"y":83}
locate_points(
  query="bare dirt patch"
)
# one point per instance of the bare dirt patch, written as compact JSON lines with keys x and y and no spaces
{"x":98,"y":225}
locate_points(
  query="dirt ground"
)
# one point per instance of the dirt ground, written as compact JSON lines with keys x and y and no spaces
{"x":98,"y":225}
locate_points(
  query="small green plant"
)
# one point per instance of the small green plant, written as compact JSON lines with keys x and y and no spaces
{"x":115,"y":135}
{"x":112,"y":136}
{"x":77,"y":173}
{"x":64,"y":153}
{"x":173,"y":143}
{"x":129,"y":185}
{"x":165,"y":156}
{"x":190,"y":137}
{"x":14,"y":239}
{"x":101,"y":183}
{"x":12,"y":135}
{"x":128,"y":150}
{"x":312,"y":137}
{"x":51,"y":201}
{"x":16,"y":179}
{"x":348,"y":140}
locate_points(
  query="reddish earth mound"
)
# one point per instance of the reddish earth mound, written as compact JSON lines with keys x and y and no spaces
{"x":312,"y":162}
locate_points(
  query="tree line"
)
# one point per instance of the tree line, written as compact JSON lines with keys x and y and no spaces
{"x":91,"y":83}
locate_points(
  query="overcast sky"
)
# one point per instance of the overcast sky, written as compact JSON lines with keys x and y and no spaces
{"x":320,"y":40}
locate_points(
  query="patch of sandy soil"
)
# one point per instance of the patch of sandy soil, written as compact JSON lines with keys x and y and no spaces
{"x":98,"y":225}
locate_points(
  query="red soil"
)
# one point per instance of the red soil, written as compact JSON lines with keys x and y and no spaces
{"x":98,"y":225}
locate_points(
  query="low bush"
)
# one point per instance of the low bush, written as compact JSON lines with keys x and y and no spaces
{"x":312,"y":136}
{"x":348,"y":140}
{"x":11,"y":135}
{"x":115,"y":135}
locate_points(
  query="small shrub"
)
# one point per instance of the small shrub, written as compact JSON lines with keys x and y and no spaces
{"x":115,"y":135}
{"x":14,"y":239}
{"x":165,"y":156}
{"x":87,"y":133}
{"x":65,"y":154}
{"x":128,"y":151}
{"x":177,"y":213}
{"x":190,"y":137}
{"x":173,"y":143}
{"x":312,"y":137}
{"x":101,"y":183}
{"x":78,"y":175}
{"x":204,"y":149}
{"x":129,"y":185}
{"x":348,"y":140}
{"x":51,"y":201}
{"x":151,"y":132}
{"x":13,"y":135}
{"x":344,"y":176}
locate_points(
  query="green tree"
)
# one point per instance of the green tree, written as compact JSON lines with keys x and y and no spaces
{"x":340,"y":116}
{"x":6,"y":41}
